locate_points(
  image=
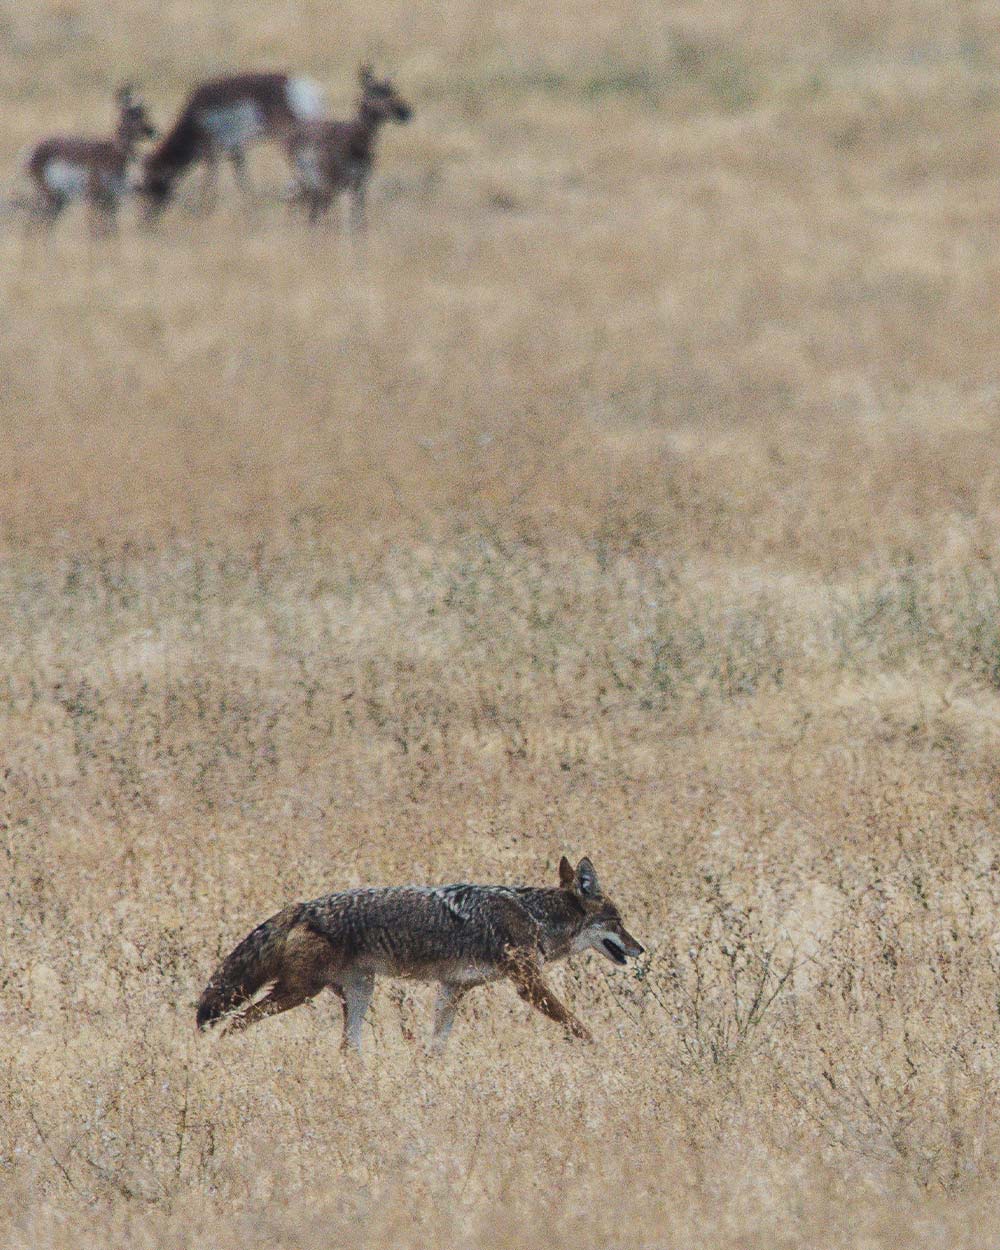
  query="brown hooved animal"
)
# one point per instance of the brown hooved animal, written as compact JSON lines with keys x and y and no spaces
{"x":220,"y":119}
{"x":332,"y":157}
{"x":65,"y":168}
{"x":460,"y":936}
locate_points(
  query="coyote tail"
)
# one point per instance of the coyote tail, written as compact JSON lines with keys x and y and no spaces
{"x":250,"y":965}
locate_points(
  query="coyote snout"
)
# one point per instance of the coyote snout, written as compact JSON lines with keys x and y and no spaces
{"x":459,"y":935}
{"x":617,"y":946}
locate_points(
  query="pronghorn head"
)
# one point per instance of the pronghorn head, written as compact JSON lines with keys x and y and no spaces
{"x":380,"y":101}
{"x":133,"y":120}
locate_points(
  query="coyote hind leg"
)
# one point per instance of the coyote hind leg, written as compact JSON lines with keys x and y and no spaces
{"x":274,"y":1001}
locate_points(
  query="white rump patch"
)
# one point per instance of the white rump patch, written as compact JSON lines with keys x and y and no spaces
{"x":65,"y":178}
{"x":305,"y":98}
{"x":234,"y":125}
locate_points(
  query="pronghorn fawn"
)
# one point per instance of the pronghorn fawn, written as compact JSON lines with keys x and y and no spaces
{"x":332,"y":157}
{"x":220,"y":119}
{"x":67,"y":167}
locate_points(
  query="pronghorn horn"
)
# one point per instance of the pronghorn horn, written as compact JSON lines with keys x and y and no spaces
{"x":366,"y":75}
{"x":126,"y":94}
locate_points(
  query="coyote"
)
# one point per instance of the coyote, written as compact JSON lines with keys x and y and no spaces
{"x":458,"y":935}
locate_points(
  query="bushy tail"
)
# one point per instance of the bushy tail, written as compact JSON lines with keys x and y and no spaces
{"x":254,"y":962}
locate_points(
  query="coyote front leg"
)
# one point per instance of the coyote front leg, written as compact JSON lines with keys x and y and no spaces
{"x":523,"y":970}
{"x":449,"y":996}
{"x":357,"y":999}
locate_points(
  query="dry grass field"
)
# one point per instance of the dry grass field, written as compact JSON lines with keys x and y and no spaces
{"x":632,"y":490}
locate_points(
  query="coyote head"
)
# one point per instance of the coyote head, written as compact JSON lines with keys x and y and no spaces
{"x":602,"y":926}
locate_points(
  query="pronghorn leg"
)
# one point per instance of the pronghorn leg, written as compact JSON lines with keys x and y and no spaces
{"x":48,"y":208}
{"x":103,"y":220}
{"x":103,"y":209}
{"x":359,"y":209}
{"x":210,"y":183}
{"x":238,"y":160}
{"x":298,"y":201}
{"x":319,"y":204}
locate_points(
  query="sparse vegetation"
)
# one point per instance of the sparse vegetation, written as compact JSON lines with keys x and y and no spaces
{"x":632,"y":493}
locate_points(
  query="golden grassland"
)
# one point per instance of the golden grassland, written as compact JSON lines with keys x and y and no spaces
{"x":632,"y":490}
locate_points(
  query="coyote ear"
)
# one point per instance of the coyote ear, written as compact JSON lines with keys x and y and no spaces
{"x":567,"y":877}
{"x":585,"y":879}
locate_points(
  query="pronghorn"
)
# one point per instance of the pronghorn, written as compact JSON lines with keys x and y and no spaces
{"x":67,"y":167}
{"x":220,"y":118}
{"x":332,"y":157}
